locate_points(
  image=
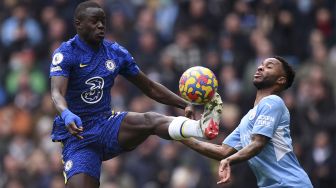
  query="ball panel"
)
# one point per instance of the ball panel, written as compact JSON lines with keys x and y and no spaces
{"x":198,"y":85}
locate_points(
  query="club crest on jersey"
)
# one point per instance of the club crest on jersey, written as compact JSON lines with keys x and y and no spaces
{"x":57,"y":59}
{"x":68,"y":165}
{"x":110,"y":65}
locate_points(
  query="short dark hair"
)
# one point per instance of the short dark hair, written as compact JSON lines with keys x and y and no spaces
{"x":289,"y":71}
{"x":81,"y":7}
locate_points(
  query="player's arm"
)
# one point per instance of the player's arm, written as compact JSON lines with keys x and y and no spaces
{"x":152,"y":89}
{"x":254,"y":148}
{"x":72,"y":122}
{"x":157,"y":91}
{"x":59,"y":85}
{"x":214,"y":151}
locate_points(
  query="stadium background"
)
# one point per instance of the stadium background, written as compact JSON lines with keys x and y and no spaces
{"x":166,"y":37}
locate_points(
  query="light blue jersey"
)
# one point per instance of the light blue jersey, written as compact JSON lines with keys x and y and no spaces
{"x":276,"y":165}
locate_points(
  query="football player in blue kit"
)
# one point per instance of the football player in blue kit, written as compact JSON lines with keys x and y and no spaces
{"x":82,"y":74}
{"x":263,"y":135}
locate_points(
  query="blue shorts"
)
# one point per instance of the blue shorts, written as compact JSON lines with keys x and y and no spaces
{"x":100,"y":143}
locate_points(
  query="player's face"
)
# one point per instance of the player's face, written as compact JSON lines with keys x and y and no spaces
{"x":93,"y":25}
{"x":269,"y":73}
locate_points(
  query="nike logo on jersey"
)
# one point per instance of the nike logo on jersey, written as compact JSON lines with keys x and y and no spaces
{"x":82,"y":65}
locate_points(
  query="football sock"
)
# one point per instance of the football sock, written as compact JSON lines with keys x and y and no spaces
{"x":192,"y":128}
{"x":182,"y":127}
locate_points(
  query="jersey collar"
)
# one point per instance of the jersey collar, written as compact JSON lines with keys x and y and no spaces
{"x":83,"y":45}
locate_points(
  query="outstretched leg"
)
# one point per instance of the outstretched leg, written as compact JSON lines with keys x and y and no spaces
{"x":136,"y":127}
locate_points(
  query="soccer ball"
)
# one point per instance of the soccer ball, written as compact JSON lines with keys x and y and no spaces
{"x":198,"y":85}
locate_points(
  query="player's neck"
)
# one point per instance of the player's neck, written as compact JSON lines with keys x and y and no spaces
{"x":94,"y":46}
{"x":261,"y":93}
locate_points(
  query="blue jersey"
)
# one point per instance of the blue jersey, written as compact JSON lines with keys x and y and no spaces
{"x":276,"y":165}
{"x":91,"y":76}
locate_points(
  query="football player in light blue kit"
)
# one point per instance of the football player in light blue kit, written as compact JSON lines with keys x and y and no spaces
{"x":263,"y":135}
{"x":82,"y":74}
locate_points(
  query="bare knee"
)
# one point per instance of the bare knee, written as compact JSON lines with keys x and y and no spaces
{"x":157,"y":124}
{"x":151,"y":119}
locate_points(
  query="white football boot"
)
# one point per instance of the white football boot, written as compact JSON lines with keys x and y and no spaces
{"x":211,"y":117}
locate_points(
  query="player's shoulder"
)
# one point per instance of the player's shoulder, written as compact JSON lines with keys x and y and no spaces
{"x":64,"y":53}
{"x":114,"y":46}
{"x":273,"y":100}
{"x":67,"y":46}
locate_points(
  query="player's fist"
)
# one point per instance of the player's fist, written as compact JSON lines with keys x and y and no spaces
{"x":72,"y":122}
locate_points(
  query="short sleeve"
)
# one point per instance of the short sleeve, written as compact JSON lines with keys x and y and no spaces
{"x":129,"y":66}
{"x":233,"y":140}
{"x":268,"y":116}
{"x":60,"y":64}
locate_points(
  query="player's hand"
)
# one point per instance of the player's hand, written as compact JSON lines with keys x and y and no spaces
{"x":75,"y":130}
{"x":73,"y":123}
{"x":189,"y":111}
{"x":224,"y":171}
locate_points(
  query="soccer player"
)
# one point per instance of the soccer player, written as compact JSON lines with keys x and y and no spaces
{"x":82,"y":74}
{"x":263,"y":135}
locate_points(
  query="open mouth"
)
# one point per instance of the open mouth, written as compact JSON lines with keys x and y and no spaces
{"x":257,"y":75}
{"x":101,"y":35}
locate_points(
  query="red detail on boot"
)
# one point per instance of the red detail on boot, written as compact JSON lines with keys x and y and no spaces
{"x":212,"y":130}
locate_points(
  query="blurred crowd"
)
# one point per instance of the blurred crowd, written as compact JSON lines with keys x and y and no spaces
{"x":231,"y":37}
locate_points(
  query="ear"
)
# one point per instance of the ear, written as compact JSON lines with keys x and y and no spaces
{"x":282,"y":80}
{"x":77,"y":23}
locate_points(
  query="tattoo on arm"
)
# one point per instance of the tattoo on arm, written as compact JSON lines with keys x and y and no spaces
{"x":210,"y":150}
{"x":253,"y":149}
